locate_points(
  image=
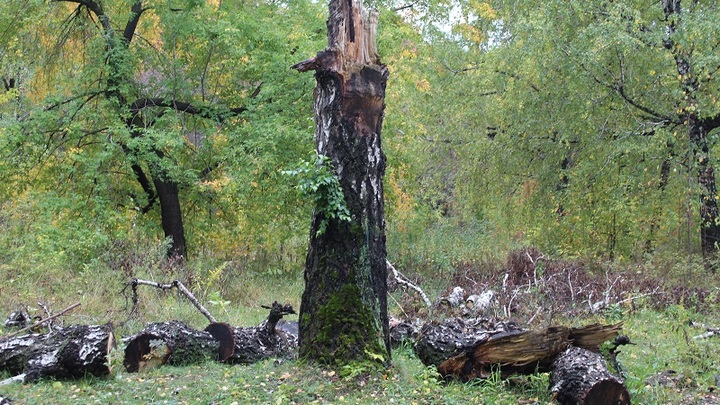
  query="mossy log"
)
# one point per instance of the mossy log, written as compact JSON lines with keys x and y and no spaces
{"x":580,"y":376}
{"x":175,"y":343}
{"x":71,"y":352}
{"x":466,"y":350}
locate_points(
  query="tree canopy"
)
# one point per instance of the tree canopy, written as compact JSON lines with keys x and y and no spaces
{"x":580,"y":127}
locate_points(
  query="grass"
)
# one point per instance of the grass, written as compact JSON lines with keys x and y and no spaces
{"x":663,"y":341}
{"x":665,"y":366}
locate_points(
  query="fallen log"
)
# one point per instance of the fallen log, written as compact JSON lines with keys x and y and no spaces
{"x":438,"y":341}
{"x":580,"y":376}
{"x":71,"y":352}
{"x":177,"y":344}
{"x":469,"y":349}
{"x":272,"y":338}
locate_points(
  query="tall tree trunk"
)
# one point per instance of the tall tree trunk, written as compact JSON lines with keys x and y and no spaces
{"x":709,"y":226}
{"x":343,"y":314}
{"x":171,"y":216}
{"x":697,"y":133}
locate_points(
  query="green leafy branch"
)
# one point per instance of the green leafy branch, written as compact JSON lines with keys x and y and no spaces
{"x":318,"y":181}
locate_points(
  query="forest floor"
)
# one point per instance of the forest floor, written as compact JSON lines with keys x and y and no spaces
{"x":662,"y":310}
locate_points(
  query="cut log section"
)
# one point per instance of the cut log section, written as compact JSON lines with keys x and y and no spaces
{"x":71,"y":352}
{"x":438,"y":341}
{"x":580,"y":376}
{"x":175,"y":343}
{"x":272,"y":338}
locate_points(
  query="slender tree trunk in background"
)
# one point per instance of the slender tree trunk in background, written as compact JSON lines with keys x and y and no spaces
{"x":662,"y":184}
{"x":172,"y":222}
{"x":697,"y":133}
{"x":709,"y":227}
{"x":343,"y":314}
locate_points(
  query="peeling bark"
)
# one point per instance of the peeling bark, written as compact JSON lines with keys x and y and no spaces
{"x":581,"y":377}
{"x":343,"y":315}
{"x":466,"y":349}
{"x":71,"y":352}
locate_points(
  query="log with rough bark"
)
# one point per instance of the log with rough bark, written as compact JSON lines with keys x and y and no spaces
{"x":580,"y":376}
{"x":466,"y":350}
{"x":438,"y":341}
{"x":71,"y":352}
{"x":343,"y":314}
{"x":272,"y":338}
{"x":175,"y":343}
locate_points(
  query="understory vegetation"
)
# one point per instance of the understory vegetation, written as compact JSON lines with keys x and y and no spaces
{"x":662,"y":306}
{"x":562,"y":156}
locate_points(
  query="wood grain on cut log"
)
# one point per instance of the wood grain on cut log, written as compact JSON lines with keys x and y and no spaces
{"x":272,"y":338}
{"x":580,"y":376}
{"x":71,"y":352}
{"x":175,"y":343}
{"x":511,"y":352}
{"x":438,"y":341}
{"x":466,"y":351}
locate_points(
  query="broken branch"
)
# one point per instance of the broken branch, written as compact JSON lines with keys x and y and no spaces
{"x":167,"y":286}
{"x":402,"y":280}
{"x":42,"y":321}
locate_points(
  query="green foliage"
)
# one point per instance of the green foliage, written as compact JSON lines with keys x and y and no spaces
{"x":319,"y":183}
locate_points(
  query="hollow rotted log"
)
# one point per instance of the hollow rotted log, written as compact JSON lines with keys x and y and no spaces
{"x":71,"y":352}
{"x":467,"y":351}
{"x":175,"y":343}
{"x":580,"y":376}
{"x":272,"y":338}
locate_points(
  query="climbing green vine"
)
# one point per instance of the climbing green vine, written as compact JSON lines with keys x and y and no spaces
{"x":318,"y":181}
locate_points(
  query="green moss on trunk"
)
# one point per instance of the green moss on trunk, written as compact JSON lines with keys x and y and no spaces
{"x":348,"y":330}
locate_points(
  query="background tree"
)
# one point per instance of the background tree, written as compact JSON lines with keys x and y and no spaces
{"x":568,"y":125}
{"x":147,"y":124}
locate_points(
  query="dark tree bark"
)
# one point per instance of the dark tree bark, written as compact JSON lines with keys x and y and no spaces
{"x":71,"y":352}
{"x":581,"y":377}
{"x":171,"y":214}
{"x":698,"y":130}
{"x":175,"y":343}
{"x":343,"y":315}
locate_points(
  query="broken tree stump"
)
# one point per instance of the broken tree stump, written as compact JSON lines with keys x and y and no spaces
{"x":175,"y":343}
{"x":71,"y":352}
{"x":343,"y":313}
{"x":580,"y":376}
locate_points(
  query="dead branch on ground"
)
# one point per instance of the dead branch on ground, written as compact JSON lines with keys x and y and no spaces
{"x":168,"y":286}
